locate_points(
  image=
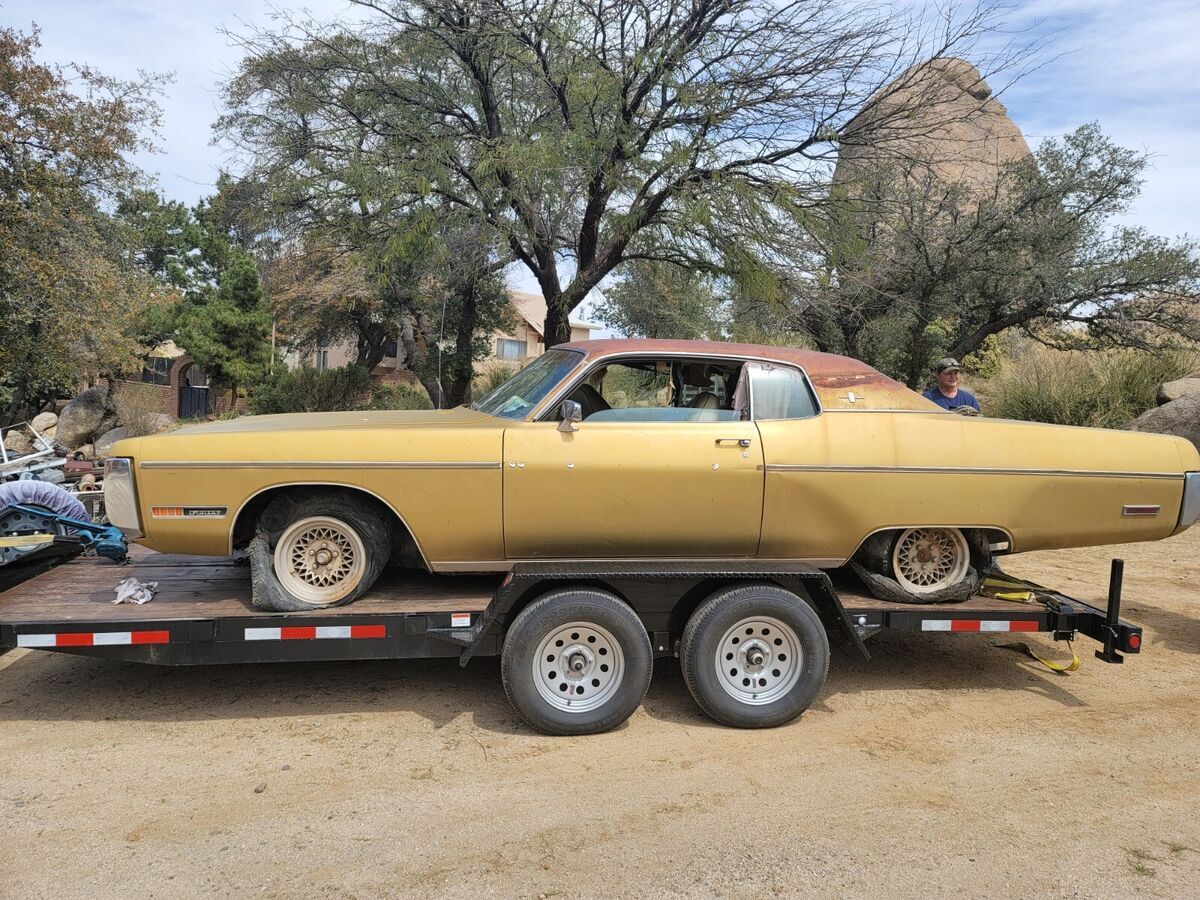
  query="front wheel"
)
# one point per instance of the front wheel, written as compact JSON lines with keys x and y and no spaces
{"x":576,"y":661}
{"x":316,"y":551}
{"x":754,"y":656}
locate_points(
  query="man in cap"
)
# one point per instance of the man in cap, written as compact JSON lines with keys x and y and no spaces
{"x":946,"y":393}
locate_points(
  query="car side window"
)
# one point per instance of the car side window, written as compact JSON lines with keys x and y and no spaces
{"x":657,"y":390}
{"x":775,"y":392}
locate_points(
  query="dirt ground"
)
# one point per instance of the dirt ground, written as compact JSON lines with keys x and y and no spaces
{"x":943,"y":766}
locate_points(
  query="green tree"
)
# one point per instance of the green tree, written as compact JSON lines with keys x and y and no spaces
{"x":661,"y":300}
{"x":227,"y":334}
{"x":584,"y":134}
{"x":71,"y":301}
{"x":944,"y":266}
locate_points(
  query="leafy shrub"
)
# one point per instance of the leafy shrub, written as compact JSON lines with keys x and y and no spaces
{"x":400,"y":396}
{"x":311,"y":390}
{"x":1099,"y":389}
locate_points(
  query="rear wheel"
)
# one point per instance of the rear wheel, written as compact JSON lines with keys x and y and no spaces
{"x":754,"y":656}
{"x":576,"y":661}
{"x":316,"y":551}
{"x":923,"y":565}
{"x":925,"y":560}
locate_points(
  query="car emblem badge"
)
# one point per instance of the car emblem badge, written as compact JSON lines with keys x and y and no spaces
{"x":851,"y":397}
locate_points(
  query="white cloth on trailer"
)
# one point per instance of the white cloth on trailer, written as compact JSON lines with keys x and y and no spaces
{"x":133,"y":591}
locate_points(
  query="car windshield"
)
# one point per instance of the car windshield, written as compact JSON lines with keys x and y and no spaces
{"x":521,"y":393}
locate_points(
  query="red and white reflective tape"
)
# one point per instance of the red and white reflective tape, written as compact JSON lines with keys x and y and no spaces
{"x":317,"y":632}
{"x":93,"y":638}
{"x":979,"y":625}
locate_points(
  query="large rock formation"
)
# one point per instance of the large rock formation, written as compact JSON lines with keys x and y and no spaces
{"x":1179,"y":417}
{"x":84,"y":418}
{"x":939,"y":118}
{"x":105,"y":442}
{"x":1174,"y":390}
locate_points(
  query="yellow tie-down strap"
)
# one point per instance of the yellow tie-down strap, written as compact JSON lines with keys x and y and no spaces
{"x":1019,"y":592}
{"x":1061,"y":668}
{"x":25,"y":540}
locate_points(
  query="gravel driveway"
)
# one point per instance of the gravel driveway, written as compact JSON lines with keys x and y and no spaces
{"x":943,"y":766}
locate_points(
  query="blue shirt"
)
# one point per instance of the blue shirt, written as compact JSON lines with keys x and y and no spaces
{"x":962,"y":398}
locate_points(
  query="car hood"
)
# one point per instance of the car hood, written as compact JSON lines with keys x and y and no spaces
{"x":391,"y":419}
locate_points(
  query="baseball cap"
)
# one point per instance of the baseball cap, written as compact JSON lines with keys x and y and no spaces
{"x":944,"y":365}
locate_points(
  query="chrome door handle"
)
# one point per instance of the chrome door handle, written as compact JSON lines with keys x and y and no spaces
{"x":741,"y":442}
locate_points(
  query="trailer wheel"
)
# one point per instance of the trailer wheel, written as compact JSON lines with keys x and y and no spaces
{"x":754,"y":656}
{"x":317,"y":551}
{"x":576,"y":661}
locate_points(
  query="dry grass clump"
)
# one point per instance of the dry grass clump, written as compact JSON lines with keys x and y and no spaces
{"x":1100,"y":389}
{"x":138,"y":408}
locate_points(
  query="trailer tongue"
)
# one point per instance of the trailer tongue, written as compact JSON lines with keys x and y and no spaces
{"x":752,"y":637}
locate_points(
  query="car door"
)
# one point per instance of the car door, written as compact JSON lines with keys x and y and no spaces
{"x":627,"y":485}
{"x":632,"y":489}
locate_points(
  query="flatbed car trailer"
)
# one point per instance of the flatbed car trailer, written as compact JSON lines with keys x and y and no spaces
{"x":577,"y":640}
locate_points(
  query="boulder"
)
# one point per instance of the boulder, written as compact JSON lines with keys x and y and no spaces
{"x":941,"y":113}
{"x":105,"y":441}
{"x":1179,"y":417}
{"x":18,"y":441}
{"x":43,"y":422}
{"x":83,"y":418}
{"x":87,"y":451}
{"x":1173,"y":390}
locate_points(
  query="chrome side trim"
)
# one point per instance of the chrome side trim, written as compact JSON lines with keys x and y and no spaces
{"x":1189,"y":506}
{"x":309,"y":464}
{"x":337,"y":484}
{"x":504,"y":565}
{"x":969,"y":470}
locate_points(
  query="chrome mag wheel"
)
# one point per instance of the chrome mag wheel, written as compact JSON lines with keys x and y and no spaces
{"x":319,"y":560}
{"x":925,"y":560}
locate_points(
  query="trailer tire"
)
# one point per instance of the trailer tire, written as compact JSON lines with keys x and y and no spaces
{"x":754,"y":656}
{"x":576,"y":661}
{"x":356,"y":536}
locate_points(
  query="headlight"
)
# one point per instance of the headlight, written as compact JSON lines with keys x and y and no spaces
{"x":1189,"y":509}
{"x":120,"y":496}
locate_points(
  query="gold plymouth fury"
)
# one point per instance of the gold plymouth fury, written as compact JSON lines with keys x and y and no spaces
{"x":629,"y":449}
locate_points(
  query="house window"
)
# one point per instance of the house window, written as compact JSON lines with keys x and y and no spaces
{"x":390,"y":350}
{"x":322,"y":360}
{"x":507,"y":348}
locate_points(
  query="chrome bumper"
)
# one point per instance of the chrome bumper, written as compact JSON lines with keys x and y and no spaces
{"x":120,"y":496}
{"x":1189,"y":509}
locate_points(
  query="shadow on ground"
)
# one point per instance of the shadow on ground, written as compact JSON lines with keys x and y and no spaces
{"x":42,"y":686}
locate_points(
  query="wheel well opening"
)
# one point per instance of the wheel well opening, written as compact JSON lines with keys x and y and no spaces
{"x":980,"y":537}
{"x":405,"y":551}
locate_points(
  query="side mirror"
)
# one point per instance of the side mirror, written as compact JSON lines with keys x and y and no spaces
{"x":572,"y":412}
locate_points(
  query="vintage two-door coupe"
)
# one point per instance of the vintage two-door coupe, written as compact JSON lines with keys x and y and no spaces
{"x":625,"y":449}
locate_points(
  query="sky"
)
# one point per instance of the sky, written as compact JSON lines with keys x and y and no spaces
{"x":1131,"y":66}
